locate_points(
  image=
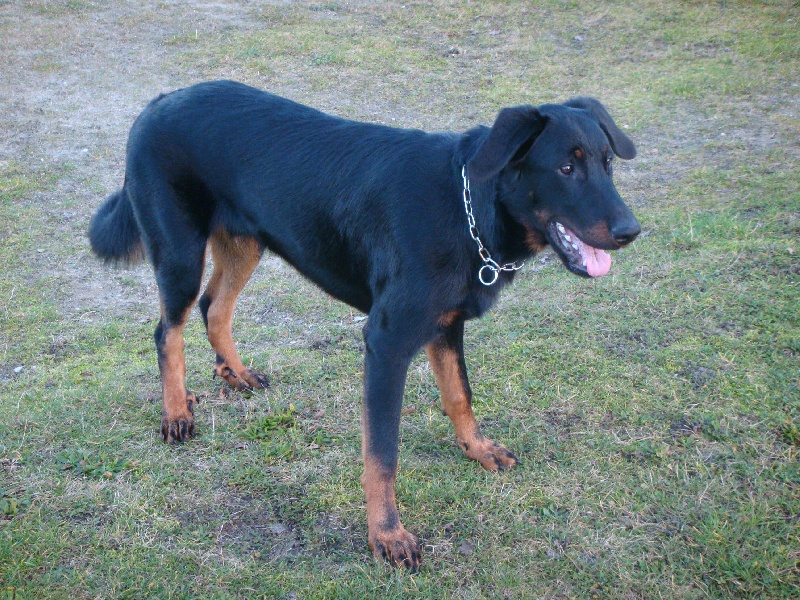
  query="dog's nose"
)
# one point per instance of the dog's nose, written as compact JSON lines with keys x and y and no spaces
{"x":624,"y":233}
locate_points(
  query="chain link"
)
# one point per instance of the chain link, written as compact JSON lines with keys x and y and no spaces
{"x":489,"y":264}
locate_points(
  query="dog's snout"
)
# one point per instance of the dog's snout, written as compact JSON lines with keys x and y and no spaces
{"x":624,"y":233}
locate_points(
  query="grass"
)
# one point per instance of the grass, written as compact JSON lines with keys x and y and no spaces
{"x":656,"y":411}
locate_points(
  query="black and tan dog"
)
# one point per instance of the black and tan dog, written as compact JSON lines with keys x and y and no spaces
{"x":418,"y":230}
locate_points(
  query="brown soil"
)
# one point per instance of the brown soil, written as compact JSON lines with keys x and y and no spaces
{"x":74,"y":77}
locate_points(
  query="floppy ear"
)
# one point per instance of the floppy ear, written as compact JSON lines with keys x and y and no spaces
{"x":620,"y":143}
{"x":512,"y":134}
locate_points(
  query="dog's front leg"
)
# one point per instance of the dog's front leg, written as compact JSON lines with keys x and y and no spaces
{"x":386,"y":364}
{"x":446,"y":355}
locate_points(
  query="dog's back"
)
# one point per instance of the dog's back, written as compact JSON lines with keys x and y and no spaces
{"x":308,"y":186}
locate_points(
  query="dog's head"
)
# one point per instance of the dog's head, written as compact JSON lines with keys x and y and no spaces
{"x":553,"y":166}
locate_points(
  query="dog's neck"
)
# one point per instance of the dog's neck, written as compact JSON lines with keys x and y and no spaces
{"x":489,"y":273}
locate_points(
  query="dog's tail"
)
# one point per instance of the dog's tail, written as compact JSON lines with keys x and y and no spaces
{"x":113,"y":231}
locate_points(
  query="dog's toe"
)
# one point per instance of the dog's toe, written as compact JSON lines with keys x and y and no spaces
{"x":178,"y":428}
{"x":491,"y":455}
{"x":398,"y":547}
{"x":244,"y":379}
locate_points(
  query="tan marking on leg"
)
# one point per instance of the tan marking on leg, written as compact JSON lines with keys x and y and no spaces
{"x":388,"y":539}
{"x":177,"y":415}
{"x":457,"y":404}
{"x":235,"y":259}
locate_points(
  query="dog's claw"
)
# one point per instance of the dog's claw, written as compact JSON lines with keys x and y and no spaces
{"x":397,"y":547}
{"x":491,"y":455}
{"x":180,"y":428}
{"x":262,"y":380}
{"x":248,"y":380}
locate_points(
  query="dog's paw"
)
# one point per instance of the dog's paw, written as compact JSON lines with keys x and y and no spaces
{"x":491,"y":455}
{"x":179,"y":427}
{"x":255,"y":379}
{"x":245,"y":379}
{"x":396,"y":546}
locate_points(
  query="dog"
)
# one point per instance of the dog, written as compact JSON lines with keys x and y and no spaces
{"x":418,"y":230}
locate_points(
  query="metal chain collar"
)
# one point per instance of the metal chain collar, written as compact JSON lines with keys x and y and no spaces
{"x":490,"y":271}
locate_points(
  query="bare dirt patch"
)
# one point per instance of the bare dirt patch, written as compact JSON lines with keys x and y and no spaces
{"x":75,"y":75}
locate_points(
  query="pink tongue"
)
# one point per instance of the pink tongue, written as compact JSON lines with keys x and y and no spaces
{"x":598,"y":262}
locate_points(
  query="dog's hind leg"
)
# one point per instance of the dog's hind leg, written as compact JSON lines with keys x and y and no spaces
{"x":446,"y":356}
{"x":235,"y":259}
{"x":179,"y":275}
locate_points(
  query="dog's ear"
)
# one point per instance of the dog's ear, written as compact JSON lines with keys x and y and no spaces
{"x":620,"y":143}
{"x":510,"y":138}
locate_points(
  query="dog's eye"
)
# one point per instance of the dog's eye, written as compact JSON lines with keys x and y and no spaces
{"x":566,"y":170}
{"x":609,"y":160}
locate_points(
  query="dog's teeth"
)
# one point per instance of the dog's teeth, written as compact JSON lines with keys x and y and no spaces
{"x":575,"y":246}
{"x":566,"y":237}
{"x":561,"y":228}
{"x":583,"y":262}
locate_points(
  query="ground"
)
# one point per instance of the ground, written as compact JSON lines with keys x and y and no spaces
{"x":655,"y":411}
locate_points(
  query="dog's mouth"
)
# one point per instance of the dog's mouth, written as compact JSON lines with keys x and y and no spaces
{"x":578,"y":256}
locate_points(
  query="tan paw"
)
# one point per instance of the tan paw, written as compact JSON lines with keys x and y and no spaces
{"x":396,"y":546}
{"x":179,"y":427}
{"x":491,"y":455}
{"x":244,"y":379}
